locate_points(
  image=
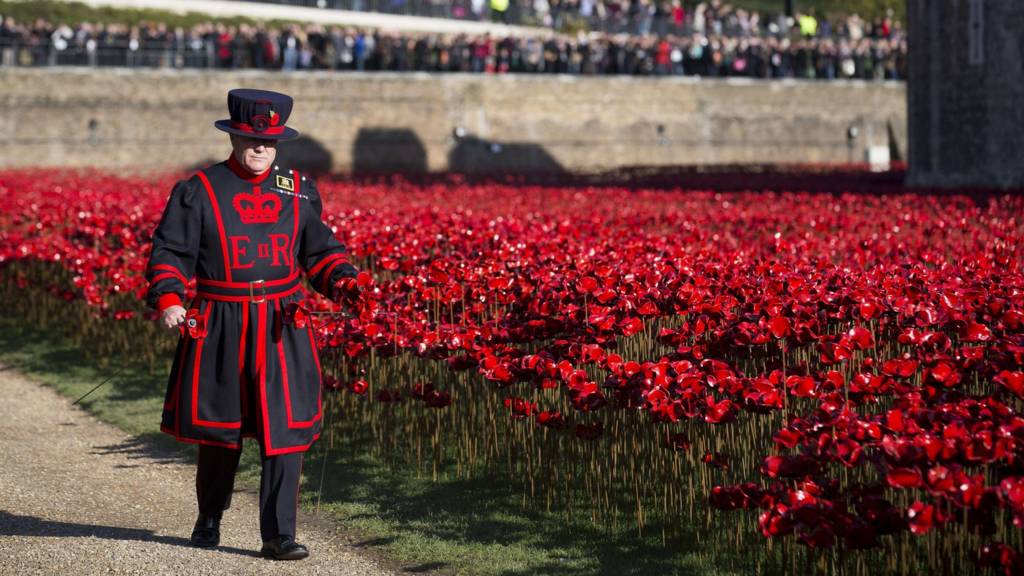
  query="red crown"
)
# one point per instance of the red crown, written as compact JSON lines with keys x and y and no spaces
{"x":257,"y":208}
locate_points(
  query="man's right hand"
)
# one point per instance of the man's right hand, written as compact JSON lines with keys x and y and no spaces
{"x":172,"y":316}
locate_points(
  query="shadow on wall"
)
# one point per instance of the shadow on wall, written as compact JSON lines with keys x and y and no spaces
{"x":379,"y":151}
{"x":387,"y":151}
{"x":305,"y":154}
{"x":472,"y":155}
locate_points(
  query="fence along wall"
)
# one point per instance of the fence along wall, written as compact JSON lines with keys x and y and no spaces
{"x":140,"y":120}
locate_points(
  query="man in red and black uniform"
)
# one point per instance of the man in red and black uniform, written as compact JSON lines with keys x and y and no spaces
{"x":245,"y":229}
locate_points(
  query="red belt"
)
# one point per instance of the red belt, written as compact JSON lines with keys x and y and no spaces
{"x":252,"y":291}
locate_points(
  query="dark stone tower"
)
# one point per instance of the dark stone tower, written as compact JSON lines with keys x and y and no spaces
{"x":966,"y":93}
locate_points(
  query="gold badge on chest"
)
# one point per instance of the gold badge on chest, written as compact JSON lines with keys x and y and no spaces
{"x":285,"y":183}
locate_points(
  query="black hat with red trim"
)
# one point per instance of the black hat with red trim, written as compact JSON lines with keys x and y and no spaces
{"x":258,"y":114}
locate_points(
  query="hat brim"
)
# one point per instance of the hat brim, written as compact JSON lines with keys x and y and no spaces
{"x":287,"y":134}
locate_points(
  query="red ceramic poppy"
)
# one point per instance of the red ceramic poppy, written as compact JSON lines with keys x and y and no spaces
{"x":922,"y":518}
{"x":791,"y":466}
{"x":296,"y":314}
{"x":551,"y":419}
{"x":1012,"y":381}
{"x":719,"y":412}
{"x":195,"y":323}
{"x":358,"y":386}
{"x":779,"y":326}
{"x":330,"y":382}
{"x":519,"y":407}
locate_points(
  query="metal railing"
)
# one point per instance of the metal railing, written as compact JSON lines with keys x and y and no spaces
{"x":124,"y":55}
{"x":207,"y":54}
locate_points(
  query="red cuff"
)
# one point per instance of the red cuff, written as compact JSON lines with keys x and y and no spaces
{"x":165,"y":301}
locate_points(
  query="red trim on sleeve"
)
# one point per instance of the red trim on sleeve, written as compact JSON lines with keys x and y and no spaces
{"x":171,"y":269}
{"x":167,"y":300}
{"x":165,"y":276}
{"x":327,"y":260}
{"x":325,"y":278}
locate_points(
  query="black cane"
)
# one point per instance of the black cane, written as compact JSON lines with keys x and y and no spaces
{"x":97,"y":387}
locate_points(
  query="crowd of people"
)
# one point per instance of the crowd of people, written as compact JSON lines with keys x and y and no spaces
{"x":731,"y":46}
{"x":679,"y":17}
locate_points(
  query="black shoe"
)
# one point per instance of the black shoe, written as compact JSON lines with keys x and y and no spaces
{"x":283,"y":548}
{"x":206,"y":534}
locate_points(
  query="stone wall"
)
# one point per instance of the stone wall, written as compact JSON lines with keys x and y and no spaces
{"x":138,"y":120}
{"x":966,"y":92}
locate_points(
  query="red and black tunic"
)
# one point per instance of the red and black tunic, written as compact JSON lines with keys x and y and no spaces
{"x":241,"y":369}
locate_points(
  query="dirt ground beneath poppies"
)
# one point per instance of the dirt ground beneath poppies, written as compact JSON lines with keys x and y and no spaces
{"x":78,"y":496}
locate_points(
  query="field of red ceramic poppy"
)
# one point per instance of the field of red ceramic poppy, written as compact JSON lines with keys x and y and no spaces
{"x":827,"y":380}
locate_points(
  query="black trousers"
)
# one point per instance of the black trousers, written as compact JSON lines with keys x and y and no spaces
{"x":279,"y":487}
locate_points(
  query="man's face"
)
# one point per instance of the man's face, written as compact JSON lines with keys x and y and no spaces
{"x":255,"y":154}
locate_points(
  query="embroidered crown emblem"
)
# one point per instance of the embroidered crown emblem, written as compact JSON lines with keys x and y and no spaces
{"x":257,"y":207}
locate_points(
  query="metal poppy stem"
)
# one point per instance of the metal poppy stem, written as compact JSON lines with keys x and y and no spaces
{"x":326,"y":452}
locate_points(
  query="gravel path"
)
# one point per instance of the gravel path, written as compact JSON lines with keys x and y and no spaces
{"x":78,"y":496}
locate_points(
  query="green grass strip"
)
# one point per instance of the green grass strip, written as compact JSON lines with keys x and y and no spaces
{"x":477,"y":526}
